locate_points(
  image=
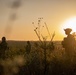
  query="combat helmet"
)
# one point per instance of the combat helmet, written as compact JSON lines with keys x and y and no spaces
{"x":67,"y":30}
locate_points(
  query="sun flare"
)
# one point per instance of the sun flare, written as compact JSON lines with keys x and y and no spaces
{"x":70,"y":23}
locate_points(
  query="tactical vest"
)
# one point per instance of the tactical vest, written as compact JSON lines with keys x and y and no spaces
{"x":69,"y":42}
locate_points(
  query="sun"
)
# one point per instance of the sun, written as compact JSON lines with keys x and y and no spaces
{"x":69,"y":23}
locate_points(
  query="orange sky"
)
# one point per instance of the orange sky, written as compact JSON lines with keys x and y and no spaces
{"x":54,"y":13}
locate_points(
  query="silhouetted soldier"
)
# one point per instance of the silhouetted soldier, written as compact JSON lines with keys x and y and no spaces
{"x":3,"y":47}
{"x":69,"y":43}
{"x":28,"y":47}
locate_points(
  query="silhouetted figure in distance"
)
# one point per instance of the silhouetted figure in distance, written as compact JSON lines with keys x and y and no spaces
{"x":28,"y":47}
{"x":3,"y":47}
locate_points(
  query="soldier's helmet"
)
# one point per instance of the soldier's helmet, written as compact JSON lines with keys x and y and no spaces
{"x":67,"y":30}
{"x":28,"y":42}
{"x":3,"y":39}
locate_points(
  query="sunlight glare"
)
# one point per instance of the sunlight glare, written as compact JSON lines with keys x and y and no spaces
{"x":70,"y":23}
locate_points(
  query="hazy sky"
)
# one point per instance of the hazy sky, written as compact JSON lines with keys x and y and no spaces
{"x":54,"y":13}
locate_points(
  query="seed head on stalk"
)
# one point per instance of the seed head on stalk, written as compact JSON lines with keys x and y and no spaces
{"x":42,"y":38}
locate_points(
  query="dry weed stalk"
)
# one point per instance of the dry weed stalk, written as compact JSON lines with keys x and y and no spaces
{"x":43,"y":42}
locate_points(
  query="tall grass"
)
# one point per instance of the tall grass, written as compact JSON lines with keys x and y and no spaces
{"x":18,"y":62}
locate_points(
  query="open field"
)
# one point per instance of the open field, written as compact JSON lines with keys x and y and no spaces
{"x":18,"y":62}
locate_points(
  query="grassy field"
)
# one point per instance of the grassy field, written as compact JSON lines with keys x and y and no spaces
{"x":18,"y":62}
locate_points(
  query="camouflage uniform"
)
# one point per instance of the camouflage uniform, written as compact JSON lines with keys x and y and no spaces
{"x":3,"y":47}
{"x":28,"y":47}
{"x":69,"y":44}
